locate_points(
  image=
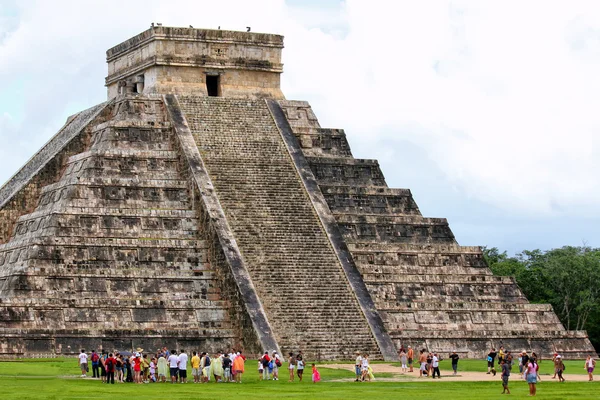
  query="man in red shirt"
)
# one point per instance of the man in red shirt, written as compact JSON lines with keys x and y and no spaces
{"x":110,"y":364}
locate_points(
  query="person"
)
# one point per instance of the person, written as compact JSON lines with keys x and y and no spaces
{"x":491,"y":357}
{"x":410,"y":354}
{"x":206,"y":361}
{"x":173,"y":361}
{"x":145,"y":372}
{"x":428,"y":361}
{"x":590,"y":365}
{"x":83,"y":363}
{"x":364,"y":367}
{"x":136,"y":361}
{"x":422,"y":363}
{"x":291,"y":364}
{"x":111,"y":364}
{"x":403,"y":360}
{"x":530,"y":376}
{"x":535,"y":360}
{"x":554,"y":362}
{"x":316,"y":376}
{"x":276,"y":364}
{"x":559,"y":367}
{"x":501,"y":354}
{"x":505,"y":376}
{"x":216,"y":367}
{"x":196,"y":367}
{"x":182,"y":361}
{"x":299,"y":366}
{"x":153,"y":369}
{"x":435,"y":366}
{"x":226,"y":367}
{"x":103,"y":366}
{"x":509,"y":359}
{"x":238,"y":366}
{"x":162,"y":368}
{"x":524,"y":360}
{"x":128,"y":370}
{"x":358,"y":366}
{"x":95,"y":358}
{"x":454,"y":357}
{"x":265,"y":360}
{"x":119,"y":368}
{"x":261,"y":369}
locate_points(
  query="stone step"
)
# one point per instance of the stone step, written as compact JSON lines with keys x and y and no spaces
{"x":445,"y":279}
{"x":109,"y":212}
{"x":110,"y":182}
{"x":433,"y":270}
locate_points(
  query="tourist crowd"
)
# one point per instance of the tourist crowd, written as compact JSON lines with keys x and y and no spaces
{"x":172,"y":366}
{"x":165,"y":365}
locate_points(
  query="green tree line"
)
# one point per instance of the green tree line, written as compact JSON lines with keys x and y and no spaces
{"x":568,"y":278}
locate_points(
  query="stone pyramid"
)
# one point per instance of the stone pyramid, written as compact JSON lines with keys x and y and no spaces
{"x":197,"y":208}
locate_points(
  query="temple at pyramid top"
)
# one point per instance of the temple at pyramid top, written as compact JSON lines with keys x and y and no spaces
{"x":201,"y":62}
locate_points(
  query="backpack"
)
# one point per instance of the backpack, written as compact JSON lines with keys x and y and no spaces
{"x":95,"y":357}
{"x":265,"y":362}
{"x":109,"y":364}
{"x":278,"y":362}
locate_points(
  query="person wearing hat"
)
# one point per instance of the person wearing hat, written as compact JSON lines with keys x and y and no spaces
{"x":559,"y":367}
{"x":357,"y":366}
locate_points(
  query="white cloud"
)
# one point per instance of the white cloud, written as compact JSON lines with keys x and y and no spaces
{"x":502,"y":94}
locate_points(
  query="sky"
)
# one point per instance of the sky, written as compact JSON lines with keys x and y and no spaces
{"x":487,"y":111}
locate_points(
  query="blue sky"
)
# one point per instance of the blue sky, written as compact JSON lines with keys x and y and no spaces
{"x":487,"y":111}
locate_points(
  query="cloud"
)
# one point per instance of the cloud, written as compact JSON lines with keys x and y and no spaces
{"x":501,"y":95}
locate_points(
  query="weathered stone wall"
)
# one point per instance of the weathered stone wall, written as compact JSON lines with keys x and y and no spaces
{"x":20,"y":194}
{"x":112,"y":256}
{"x":192,"y":81}
{"x":175,"y":60}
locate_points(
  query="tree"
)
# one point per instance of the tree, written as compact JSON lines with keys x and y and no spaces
{"x":568,"y":278}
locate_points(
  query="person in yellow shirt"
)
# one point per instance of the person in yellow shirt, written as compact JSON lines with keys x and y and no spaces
{"x":196,"y":372}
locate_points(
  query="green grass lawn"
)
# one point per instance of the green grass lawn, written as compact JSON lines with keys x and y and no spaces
{"x":55,"y":379}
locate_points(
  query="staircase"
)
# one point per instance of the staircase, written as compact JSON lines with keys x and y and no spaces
{"x":296,"y":273}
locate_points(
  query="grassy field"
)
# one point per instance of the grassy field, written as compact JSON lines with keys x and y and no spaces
{"x":56,"y":379}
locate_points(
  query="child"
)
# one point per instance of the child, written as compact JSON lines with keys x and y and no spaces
{"x":260,"y":370}
{"x":153,"y":369}
{"x":316,"y":377}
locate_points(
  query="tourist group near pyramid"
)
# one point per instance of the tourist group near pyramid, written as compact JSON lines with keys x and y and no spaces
{"x":198,"y":208}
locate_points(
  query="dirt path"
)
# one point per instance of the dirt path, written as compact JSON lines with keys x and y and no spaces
{"x":447,"y":375}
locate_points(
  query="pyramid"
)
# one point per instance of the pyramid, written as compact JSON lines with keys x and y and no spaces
{"x":198,"y":208}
